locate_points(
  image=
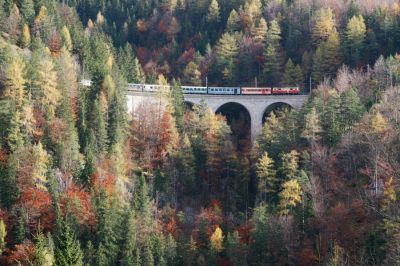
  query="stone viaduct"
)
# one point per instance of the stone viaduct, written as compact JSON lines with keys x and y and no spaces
{"x":256,"y":105}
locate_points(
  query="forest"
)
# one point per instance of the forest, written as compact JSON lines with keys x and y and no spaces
{"x":84,"y":182}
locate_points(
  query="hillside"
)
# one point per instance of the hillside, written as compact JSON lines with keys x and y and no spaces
{"x":84,"y":182}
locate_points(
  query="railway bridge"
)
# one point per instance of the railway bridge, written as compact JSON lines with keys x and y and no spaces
{"x":257,"y":106}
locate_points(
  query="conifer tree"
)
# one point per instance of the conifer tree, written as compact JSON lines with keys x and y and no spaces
{"x":233,"y":23}
{"x":47,"y":92}
{"x":26,"y":36}
{"x":351,"y":109}
{"x":324,"y":25}
{"x":14,"y":82}
{"x":293,"y":75}
{"x":272,"y":66}
{"x":68,"y":251}
{"x":354,"y":41}
{"x":260,"y":31}
{"x":290,"y":164}
{"x":290,"y":196}
{"x":266,"y":175}
{"x":66,"y":37}
{"x":3,"y":234}
{"x":192,"y":74}
{"x":213,"y":12}
{"x":28,"y":11}
{"x":44,"y":250}
{"x":217,"y":239}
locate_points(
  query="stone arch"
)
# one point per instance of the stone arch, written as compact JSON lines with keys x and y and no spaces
{"x":277,"y":106}
{"x":239,"y":119}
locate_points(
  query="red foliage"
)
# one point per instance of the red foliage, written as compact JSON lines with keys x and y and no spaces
{"x":187,"y":56}
{"x":212,"y":215}
{"x":38,"y":204}
{"x":244,"y":232}
{"x":171,"y":227}
{"x":162,"y":27}
{"x":58,"y":127}
{"x":223,"y":262}
{"x":143,"y":55}
{"x":22,"y":254}
{"x":78,"y":202}
{"x":3,"y":156}
{"x":306,"y":257}
{"x":39,"y":124}
{"x":54,"y":43}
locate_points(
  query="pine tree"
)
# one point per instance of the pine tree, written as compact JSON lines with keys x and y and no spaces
{"x":66,"y":37}
{"x":312,"y":126}
{"x":217,"y":239}
{"x":290,"y":196}
{"x":227,"y":48}
{"x":324,"y":26}
{"x":266,"y":175}
{"x":327,"y":58}
{"x":213,"y":14}
{"x":147,"y":258}
{"x":351,"y":109}
{"x":28,"y":11}
{"x":233,"y":23}
{"x":178,"y":105}
{"x":14,"y":82}
{"x":354,"y":41}
{"x":68,"y":251}
{"x":273,"y":36}
{"x":44,"y":251}
{"x":272,"y":66}
{"x":192,"y":74}
{"x":292,"y":75}
{"x":290,"y":164}
{"x":26,"y":36}
{"x":46,"y":86}
{"x":260,"y":31}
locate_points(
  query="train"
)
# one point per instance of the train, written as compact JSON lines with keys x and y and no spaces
{"x":211,"y":90}
{"x":219,"y":90}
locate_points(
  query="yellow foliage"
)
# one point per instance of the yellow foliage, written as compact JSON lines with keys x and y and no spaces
{"x":41,"y":17}
{"x":90,"y":24}
{"x":41,"y":166}
{"x":290,"y":196}
{"x":324,"y":25}
{"x":3,"y":234}
{"x":26,"y":36}
{"x":46,"y":82}
{"x":389,"y":193}
{"x":15,"y":81}
{"x":217,"y":240}
{"x":66,"y":36}
{"x":378,"y":123}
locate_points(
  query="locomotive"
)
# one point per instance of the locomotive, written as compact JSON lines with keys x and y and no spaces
{"x":219,"y":90}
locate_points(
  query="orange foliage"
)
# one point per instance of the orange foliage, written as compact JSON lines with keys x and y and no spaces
{"x":103,"y":177}
{"x":3,"y":156}
{"x":58,"y":127}
{"x":54,"y":43}
{"x":22,"y":254}
{"x":141,"y":25}
{"x":171,"y":227}
{"x":78,"y":202}
{"x":162,"y":27}
{"x":38,"y":204}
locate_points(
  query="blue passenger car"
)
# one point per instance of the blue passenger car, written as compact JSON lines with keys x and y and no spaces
{"x":224,"y":90}
{"x":194,"y":90}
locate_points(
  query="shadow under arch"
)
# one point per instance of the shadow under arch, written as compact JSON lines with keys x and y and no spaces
{"x":239,"y":119}
{"x":275,"y":107}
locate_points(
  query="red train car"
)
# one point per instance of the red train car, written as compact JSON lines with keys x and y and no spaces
{"x":286,"y":90}
{"x":258,"y":91}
